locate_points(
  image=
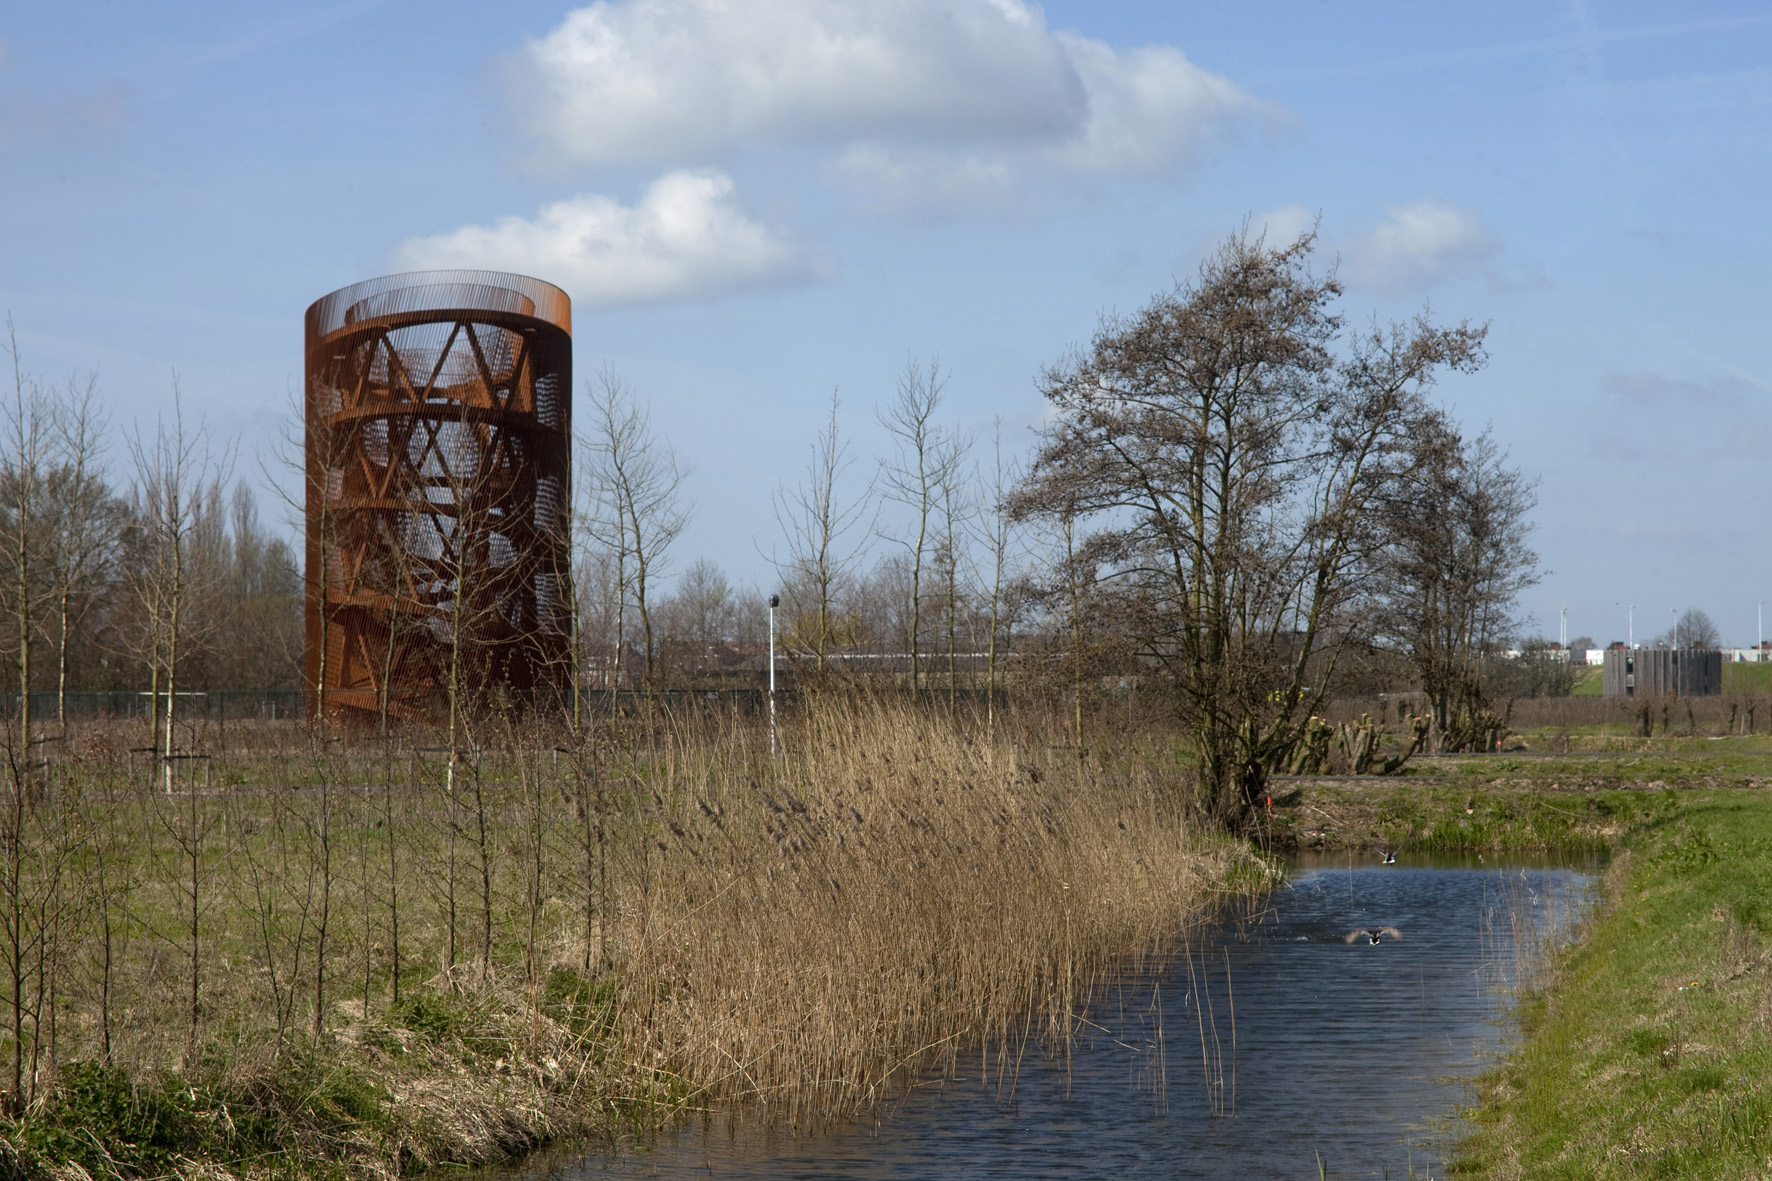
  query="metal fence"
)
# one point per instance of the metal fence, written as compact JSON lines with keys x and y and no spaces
{"x":213,"y":704}
{"x":225,"y":705}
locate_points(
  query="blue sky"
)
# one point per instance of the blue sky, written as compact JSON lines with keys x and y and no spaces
{"x":754,"y":204}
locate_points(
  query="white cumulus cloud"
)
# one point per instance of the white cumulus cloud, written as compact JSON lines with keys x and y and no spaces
{"x":1149,"y":110}
{"x":919,"y":181}
{"x":889,"y":86}
{"x":1418,"y":245}
{"x":685,"y":239}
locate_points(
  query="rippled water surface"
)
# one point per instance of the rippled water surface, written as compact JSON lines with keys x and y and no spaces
{"x":1351,"y":1051}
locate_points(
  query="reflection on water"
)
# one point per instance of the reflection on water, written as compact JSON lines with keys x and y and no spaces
{"x":1352,"y":1051}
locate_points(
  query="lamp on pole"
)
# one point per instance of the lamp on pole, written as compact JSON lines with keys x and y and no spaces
{"x":1760,"y":636}
{"x":1675,"y":630}
{"x":774,"y":602}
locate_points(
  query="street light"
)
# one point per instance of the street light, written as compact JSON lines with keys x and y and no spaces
{"x":1675,"y":630}
{"x":774,"y":602}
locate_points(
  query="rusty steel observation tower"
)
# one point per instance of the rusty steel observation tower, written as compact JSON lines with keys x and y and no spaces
{"x":438,"y":449}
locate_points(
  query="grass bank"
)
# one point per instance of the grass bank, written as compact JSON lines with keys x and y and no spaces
{"x":1532,"y":800}
{"x":1453,"y":817}
{"x":338,"y":959}
{"x":1650,"y":1054}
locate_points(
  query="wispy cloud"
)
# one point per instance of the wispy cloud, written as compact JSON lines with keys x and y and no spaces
{"x":283,"y":31}
{"x":686,"y":238}
{"x":1283,"y":225}
{"x":1418,"y":245}
{"x":1506,"y":50}
{"x":27,"y":114}
{"x":1707,"y":419}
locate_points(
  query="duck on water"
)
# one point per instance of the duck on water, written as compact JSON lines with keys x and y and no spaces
{"x":1372,"y":936}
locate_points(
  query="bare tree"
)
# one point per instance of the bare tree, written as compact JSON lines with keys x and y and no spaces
{"x":697,"y":620}
{"x":28,"y":437}
{"x":177,"y":497}
{"x":925,"y":461}
{"x":1075,"y":575}
{"x":178,"y":482}
{"x":956,"y":510}
{"x":40,"y":885}
{"x":598,"y":584}
{"x":996,"y":528}
{"x":816,"y":521}
{"x":1693,"y":629}
{"x":260,"y":602}
{"x":1452,"y":564}
{"x":1229,"y":460}
{"x":314,"y":456}
{"x":638,"y":509}
{"x":86,"y":520}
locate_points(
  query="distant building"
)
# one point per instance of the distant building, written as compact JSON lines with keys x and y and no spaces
{"x":1662,"y":672}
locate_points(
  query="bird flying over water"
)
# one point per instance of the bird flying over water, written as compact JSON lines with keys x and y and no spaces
{"x":1372,"y":936}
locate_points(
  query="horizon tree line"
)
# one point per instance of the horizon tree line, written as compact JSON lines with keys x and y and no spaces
{"x":1238,"y":498}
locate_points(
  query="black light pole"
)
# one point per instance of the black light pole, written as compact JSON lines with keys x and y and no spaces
{"x":774,"y":602}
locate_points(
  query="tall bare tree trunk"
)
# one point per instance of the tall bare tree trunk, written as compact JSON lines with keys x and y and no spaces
{"x":927,"y":457}
{"x":815,"y":522}
{"x":26,"y":425}
{"x":637,"y":487}
{"x":1002,"y":481}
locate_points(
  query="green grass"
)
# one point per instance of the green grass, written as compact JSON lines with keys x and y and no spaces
{"x":321,"y":1111}
{"x":1650,"y":1055}
{"x":1517,"y":802}
{"x":1450,"y":818}
{"x":1747,"y":678}
{"x":1589,"y":681}
{"x":1680,"y":761}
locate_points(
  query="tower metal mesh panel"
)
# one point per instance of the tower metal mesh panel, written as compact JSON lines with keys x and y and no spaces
{"x":439,"y":431}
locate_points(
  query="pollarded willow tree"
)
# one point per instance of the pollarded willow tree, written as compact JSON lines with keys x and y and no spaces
{"x":1223,"y":451}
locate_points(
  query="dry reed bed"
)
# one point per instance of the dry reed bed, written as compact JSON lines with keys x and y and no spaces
{"x":891,"y":896}
{"x":589,"y":931}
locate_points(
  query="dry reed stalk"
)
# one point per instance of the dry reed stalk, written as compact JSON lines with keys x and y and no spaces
{"x":815,"y":934}
{"x":1524,"y":927}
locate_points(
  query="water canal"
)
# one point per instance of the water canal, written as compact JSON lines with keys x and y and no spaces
{"x":1352,"y":1054}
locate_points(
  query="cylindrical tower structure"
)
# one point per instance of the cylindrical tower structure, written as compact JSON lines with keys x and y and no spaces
{"x":438,"y":455}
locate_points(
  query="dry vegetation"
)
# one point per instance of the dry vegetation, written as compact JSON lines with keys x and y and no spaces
{"x":327,"y":958}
